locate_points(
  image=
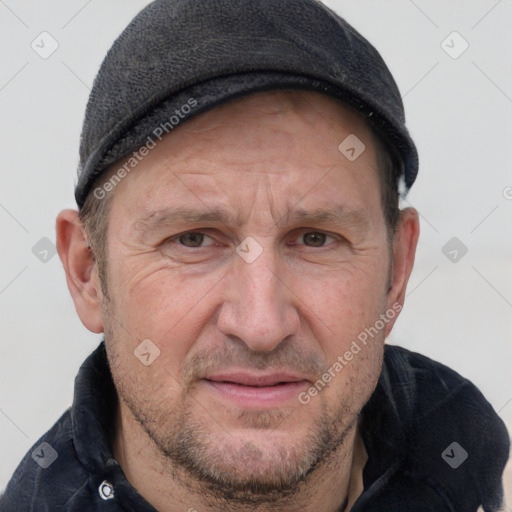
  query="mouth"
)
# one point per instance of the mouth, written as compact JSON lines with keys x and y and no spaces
{"x":249,"y":390}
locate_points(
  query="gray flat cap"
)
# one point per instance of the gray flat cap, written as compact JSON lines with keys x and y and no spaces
{"x":179,"y":58}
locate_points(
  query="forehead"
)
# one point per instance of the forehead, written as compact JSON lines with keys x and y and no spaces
{"x":298,"y":145}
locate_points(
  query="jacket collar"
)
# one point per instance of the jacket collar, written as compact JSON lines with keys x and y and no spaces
{"x":417,"y":410}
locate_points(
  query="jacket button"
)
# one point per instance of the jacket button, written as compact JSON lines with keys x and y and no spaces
{"x":106,"y":490}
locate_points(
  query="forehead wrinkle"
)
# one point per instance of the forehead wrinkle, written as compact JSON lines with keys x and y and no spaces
{"x":170,"y":217}
{"x":185,"y":215}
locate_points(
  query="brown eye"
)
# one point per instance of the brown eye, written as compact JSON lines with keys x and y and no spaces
{"x":314,"y":239}
{"x":191,"y":239}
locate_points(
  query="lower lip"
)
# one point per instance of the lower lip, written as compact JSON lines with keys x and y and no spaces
{"x":249,"y":396}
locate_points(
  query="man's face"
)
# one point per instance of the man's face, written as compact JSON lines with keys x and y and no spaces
{"x":244,"y":335}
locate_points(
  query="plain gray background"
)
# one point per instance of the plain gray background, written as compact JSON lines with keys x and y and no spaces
{"x":459,"y":113}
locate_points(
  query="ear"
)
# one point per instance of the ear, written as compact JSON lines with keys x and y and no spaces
{"x":404,"y":250}
{"x":80,"y":268}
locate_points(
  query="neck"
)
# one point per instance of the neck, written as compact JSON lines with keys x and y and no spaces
{"x":333,"y":486}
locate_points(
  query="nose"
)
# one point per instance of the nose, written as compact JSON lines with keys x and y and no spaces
{"x":258,"y":306}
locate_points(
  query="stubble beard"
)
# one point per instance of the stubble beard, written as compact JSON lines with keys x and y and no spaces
{"x":209,"y":464}
{"x":216,"y":466}
{"x":234,"y":474}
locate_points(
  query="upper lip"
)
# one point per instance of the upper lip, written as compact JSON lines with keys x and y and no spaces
{"x":248,"y":379}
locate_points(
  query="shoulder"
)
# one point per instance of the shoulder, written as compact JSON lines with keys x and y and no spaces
{"x":420,"y":387}
{"x":49,"y":474}
{"x":454,"y":440}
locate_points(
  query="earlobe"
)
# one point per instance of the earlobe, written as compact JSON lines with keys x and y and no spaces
{"x":404,"y":251}
{"x":80,"y":268}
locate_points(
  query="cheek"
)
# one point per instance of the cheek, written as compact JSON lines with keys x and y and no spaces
{"x":344,"y":301}
{"x":150,"y":319}
{"x":362,"y":373}
{"x":342,"y":310}
{"x":167,"y":307}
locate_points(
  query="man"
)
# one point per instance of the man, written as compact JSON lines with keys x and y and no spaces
{"x":239,"y":244}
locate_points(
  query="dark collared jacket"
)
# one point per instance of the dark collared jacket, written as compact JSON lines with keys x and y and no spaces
{"x":434,"y":444}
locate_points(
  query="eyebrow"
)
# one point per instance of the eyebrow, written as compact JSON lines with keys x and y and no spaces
{"x":333,"y":215}
{"x":172,"y":217}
